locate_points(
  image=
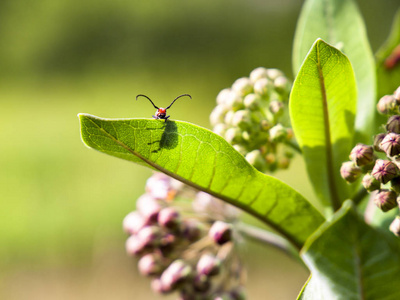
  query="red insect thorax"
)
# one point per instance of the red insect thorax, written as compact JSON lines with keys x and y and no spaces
{"x":161,"y":110}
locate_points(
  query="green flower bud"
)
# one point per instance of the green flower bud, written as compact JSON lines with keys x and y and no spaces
{"x":242,"y":119}
{"x":349,"y":171}
{"x":256,"y":159}
{"x":274,"y":73}
{"x":395,"y":226}
{"x":261,"y":86}
{"x":223,"y":95}
{"x":393,"y":124}
{"x":276,"y":107}
{"x":234,"y":101}
{"x":385,"y":200}
{"x":278,"y":133}
{"x":242,"y":150}
{"x":233,"y":135}
{"x":384,"y":170}
{"x":252,"y":101}
{"x":217,"y":115}
{"x":377,"y":141}
{"x":391,"y":144}
{"x":242,"y":86}
{"x":258,"y":73}
{"x":281,"y":84}
{"x":362,"y":155}
{"x":229,"y":117}
{"x":246,"y":136}
{"x":386,"y":105}
{"x":370,"y":183}
{"x":220,"y":129}
{"x":283,"y":162}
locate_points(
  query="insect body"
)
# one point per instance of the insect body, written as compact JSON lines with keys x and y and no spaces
{"x":161,"y":113}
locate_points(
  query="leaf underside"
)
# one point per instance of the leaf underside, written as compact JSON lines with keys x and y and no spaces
{"x":205,"y":161}
{"x":350,"y":260}
{"x":322,"y":109}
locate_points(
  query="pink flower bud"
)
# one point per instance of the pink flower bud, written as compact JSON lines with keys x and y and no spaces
{"x":362,"y":155}
{"x":395,"y":226}
{"x":349,"y":171}
{"x":391,"y":144}
{"x":384,"y":170}
{"x":133,"y":222}
{"x":150,"y":264}
{"x":176,"y":273}
{"x":169,"y":218}
{"x":208,"y":265}
{"x":393,"y":124}
{"x":385,"y":200}
{"x":148,"y":207}
{"x":134,"y":245}
{"x":150,"y":236}
{"x":220,"y":232}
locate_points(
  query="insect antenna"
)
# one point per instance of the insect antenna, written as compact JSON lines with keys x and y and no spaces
{"x":140,"y":95}
{"x":178,"y":98}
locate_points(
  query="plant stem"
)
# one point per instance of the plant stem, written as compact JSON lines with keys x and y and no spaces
{"x":269,"y":238}
{"x":360,"y":195}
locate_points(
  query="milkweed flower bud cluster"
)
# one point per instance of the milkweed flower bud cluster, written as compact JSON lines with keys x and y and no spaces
{"x":381,"y":176}
{"x":185,"y":248}
{"x":252,"y":115}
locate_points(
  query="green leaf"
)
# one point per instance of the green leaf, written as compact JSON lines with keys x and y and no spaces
{"x":339,"y":23}
{"x":204,"y":160}
{"x":350,"y":260}
{"x":322,"y":109}
{"x":388,"y":75}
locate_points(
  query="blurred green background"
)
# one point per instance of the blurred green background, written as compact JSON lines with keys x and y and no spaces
{"x":62,"y":204}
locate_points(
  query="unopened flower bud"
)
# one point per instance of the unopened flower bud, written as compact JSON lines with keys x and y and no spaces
{"x":241,"y":119}
{"x":208,"y":265}
{"x":385,"y":200}
{"x":234,"y":101}
{"x":222,"y":96}
{"x":169,"y":218}
{"x":160,"y":187}
{"x":258,"y":73}
{"x":395,"y":226}
{"x":283,"y":162}
{"x":276,"y":107}
{"x":377,"y":141}
{"x":134,"y":245}
{"x":220,"y":232}
{"x":242,"y":86}
{"x":256,"y":159}
{"x":150,"y":235}
{"x":261,"y":86}
{"x":150,"y":264}
{"x":252,"y":101}
{"x":274,"y":73}
{"x":217,"y":115}
{"x":396,"y":94}
{"x":384,"y":170}
{"x":395,"y":184}
{"x":386,"y":105}
{"x":349,"y":171}
{"x":281,"y":84}
{"x":370,"y":183}
{"x":177,"y":272}
{"x":238,"y":293}
{"x":362,"y":155}
{"x":391,"y":144}
{"x":393,"y":124}
{"x":278,"y":133}
{"x":133,"y":222}
{"x":229,"y":117}
{"x":233,"y":135}
{"x":148,"y":207}
{"x":220,"y":129}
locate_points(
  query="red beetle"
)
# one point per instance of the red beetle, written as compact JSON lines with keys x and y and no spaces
{"x":161,"y":113}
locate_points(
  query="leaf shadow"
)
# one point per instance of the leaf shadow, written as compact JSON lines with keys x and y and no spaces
{"x":169,"y":138}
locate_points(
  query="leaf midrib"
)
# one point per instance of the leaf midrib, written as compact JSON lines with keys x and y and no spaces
{"x":329,"y":157}
{"x":227,"y":199}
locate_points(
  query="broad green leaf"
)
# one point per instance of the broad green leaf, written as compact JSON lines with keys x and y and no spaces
{"x":204,"y":160}
{"x":339,"y":23}
{"x":350,"y":260}
{"x":322,"y":109}
{"x":388,"y":71}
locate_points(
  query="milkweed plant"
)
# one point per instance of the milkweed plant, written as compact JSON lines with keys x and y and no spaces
{"x":341,"y":113}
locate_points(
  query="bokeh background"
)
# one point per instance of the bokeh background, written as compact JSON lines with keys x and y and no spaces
{"x":61,"y":204}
